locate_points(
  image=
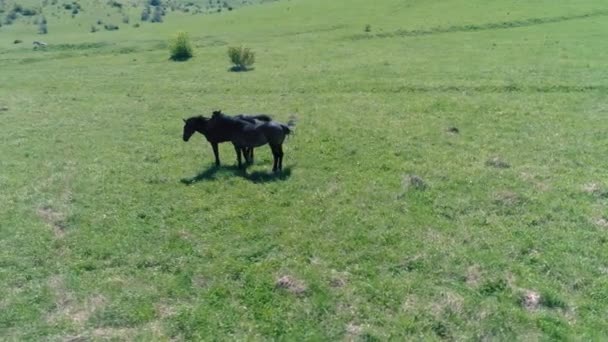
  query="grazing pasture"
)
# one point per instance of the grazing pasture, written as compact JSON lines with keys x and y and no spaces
{"x":447,"y":178}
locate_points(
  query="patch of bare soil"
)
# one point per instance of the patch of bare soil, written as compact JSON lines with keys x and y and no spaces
{"x":291,"y":285}
{"x":53,"y":218}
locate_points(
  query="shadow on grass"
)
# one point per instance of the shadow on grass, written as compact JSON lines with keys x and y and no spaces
{"x":238,"y":68}
{"x":210,"y":173}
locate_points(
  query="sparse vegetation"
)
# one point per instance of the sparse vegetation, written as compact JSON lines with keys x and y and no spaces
{"x":180,"y":47}
{"x":241,"y":57}
{"x":111,"y":27}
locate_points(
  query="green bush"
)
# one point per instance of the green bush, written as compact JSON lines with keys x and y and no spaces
{"x":241,"y":57}
{"x":180,"y":47}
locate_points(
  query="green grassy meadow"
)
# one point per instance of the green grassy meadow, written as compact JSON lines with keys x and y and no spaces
{"x":385,"y":224}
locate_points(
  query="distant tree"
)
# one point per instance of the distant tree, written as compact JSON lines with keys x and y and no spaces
{"x":154,"y":3}
{"x":145,"y":13}
{"x":10,"y":17}
{"x":28,"y":12}
{"x":42,"y":28}
{"x":125,"y":19}
{"x":93,"y":29}
{"x":157,"y":17}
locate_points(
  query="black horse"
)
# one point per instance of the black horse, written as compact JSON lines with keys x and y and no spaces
{"x":246,"y":135}
{"x":217,"y":132}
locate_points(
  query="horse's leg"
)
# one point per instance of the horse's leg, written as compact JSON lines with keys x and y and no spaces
{"x":238,"y":155}
{"x":216,"y":153}
{"x":280,"y":150}
{"x":275,"y":154}
{"x":247,"y":153}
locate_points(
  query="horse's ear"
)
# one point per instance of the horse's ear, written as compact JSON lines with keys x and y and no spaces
{"x":184,"y":120}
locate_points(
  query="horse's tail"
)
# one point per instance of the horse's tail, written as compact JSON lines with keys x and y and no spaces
{"x":286,"y":129}
{"x":291,"y":124}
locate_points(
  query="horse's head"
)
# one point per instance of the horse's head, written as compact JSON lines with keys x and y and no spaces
{"x":217,"y":113}
{"x":192,"y":125}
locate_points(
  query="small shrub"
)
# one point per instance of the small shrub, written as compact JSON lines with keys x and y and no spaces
{"x":28,"y":12}
{"x":154,"y":2}
{"x":136,"y":25}
{"x":157,"y":17}
{"x":368,"y":28}
{"x":110,"y":27}
{"x":180,"y":47}
{"x":17,"y":41}
{"x":10,"y":17}
{"x":241,"y":57}
{"x":115,"y":4}
{"x":125,"y":19}
{"x":93,"y":28}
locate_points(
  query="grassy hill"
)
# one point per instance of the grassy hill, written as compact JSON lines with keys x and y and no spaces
{"x":446,"y":179}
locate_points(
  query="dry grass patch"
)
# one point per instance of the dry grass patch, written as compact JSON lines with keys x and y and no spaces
{"x":67,"y":307}
{"x":498,"y":163}
{"x":507,"y":198}
{"x":54,"y":219}
{"x":291,"y":285}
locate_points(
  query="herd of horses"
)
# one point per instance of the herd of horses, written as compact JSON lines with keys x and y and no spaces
{"x":244,"y":131}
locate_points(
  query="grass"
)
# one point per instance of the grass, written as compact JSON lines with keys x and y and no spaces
{"x":112,"y":227}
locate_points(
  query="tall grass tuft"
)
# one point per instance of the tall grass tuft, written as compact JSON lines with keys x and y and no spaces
{"x":242,"y":58}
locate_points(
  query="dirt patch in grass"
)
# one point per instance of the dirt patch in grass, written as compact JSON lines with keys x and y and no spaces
{"x":164,"y":310}
{"x":54,"y":219}
{"x":66,"y":305}
{"x":291,"y":285}
{"x":602,"y":222}
{"x":353,"y":331}
{"x":531,"y":300}
{"x":449,"y":303}
{"x":507,"y":198}
{"x":337,"y":282}
{"x":474,"y":276}
{"x":536,"y":181}
{"x":498,"y":163}
{"x":413,"y":182}
{"x":595,"y":189}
